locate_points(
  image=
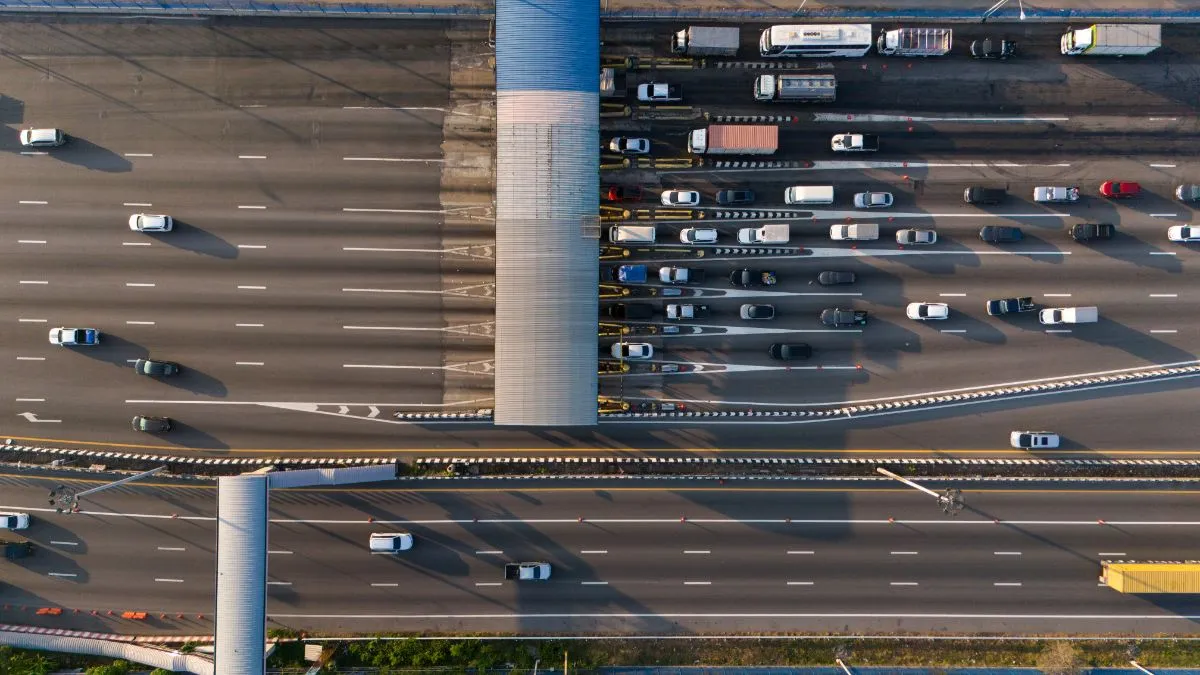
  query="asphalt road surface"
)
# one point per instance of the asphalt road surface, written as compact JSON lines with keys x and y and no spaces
{"x":735,"y":563}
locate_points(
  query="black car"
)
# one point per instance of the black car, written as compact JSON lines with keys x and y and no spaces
{"x":735,"y":197}
{"x":748,"y":278}
{"x":156,"y":368}
{"x":982,"y":195}
{"x":1089,"y":231}
{"x":991,"y":48}
{"x":631,"y":312}
{"x":1000,"y":234}
{"x":757,"y":312}
{"x":843,"y":318}
{"x":831,"y":278}
{"x":151,"y":425}
{"x":790,"y":352}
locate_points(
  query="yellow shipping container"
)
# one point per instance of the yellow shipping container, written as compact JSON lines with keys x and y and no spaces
{"x":1151,"y":576}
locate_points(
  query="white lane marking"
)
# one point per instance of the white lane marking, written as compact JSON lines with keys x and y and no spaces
{"x":280,"y":552}
{"x":31,"y":320}
{"x":247,"y":363}
{"x":64,"y":543}
{"x":170,"y":581}
{"x":1006,"y":583}
{"x":800,"y":553}
{"x":389,"y":585}
{"x":799,"y":583}
{"x":279,"y":583}
{"x":171,"y":548}
{"x":1056,"y":295}
{"x":1162,"y":253}
{"x":135,"y":284}
{"x":135,"y":243}
{"x":253,"y":105}
{"x":31,"y":241}
{"x":1058,"y":330}
{"x":34,"y":152}
{"x":31,"y":201}
{"x":952,"y":295}
{"x":905,"y":552}
{"x":489,"y":552}
{"x":698,"y":552}
{"x":35,"y":282}
{"x":248,"y":325}
{"x":250,"y":206}
{"x":1164,"y":295}
{"x":1164,"y":330}
{"x":596,"y":552}
{"x":62,"y":574}
{"x":385,"y":107}
{"x":349,"y":210}
{"x":904,"y":583}
{"x":388,"y":159}
{"x":697,"y":583}
{"x":487,"y":583}
{"x":1163,"y":166}
{"x":1163,"y":215}
{"x":1165,"y":616}
{"x":593,"y":583}
{"x":252,"y":156}
{"x":1006,"y":553}
{"x":252,"y":288}
{"x":139,"y":154}
{"x":31,"y":358}
{"x":139,"y":323}
{"x":254,"y":246}
{"x":954,"y":330}
{"x":32,"y":400}
{"x":1114,"y":555}
{"x":137,"y":204}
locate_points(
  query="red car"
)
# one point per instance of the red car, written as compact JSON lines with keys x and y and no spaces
{"x":621,"y":193}
{"x":1118,"y":190}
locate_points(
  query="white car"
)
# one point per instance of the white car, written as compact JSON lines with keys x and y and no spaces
{"x":1055,"y":194}
{"x":145,"y":222}
{"x":1185,"y":233}
{"x":390,"y":542}
{"x":630,"y":146}
{"x":42,"y":138}
{"x":1033,"y":440}
{"x":916,"y":237}
{"x":680,"y":198}
{"x":873,"y":200}
{"x":633,"y":351}
{"x":926,"y":311}
{"x":11,"y":520}
{"x":698,"y":235}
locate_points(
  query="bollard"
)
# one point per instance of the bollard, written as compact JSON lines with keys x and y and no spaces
{"x":579,"y":519}
{"x":1101,"y":522}
{"x":370,"y":519}
{"x":683,"y":519}
{"x":891,"y":519}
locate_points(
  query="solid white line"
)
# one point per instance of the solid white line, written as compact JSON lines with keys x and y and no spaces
{"x":904,"y":583}
{"x":137,"y":204}
{"x":1115,"y":555}
{"x":247,"y":325}
{"x":1164,"y":295}
{"x":35,"y":400}
{"x":1162,"y":253}
{"x":247,"y":363}
{"x":1006,"y":553}
{"x":63,"y":543}
{"x":952,"y":295}
{"x":252,"y":156}
{"x":799,"y":583}
{"x":800,"y":552}
{"x":699,"y":552}
{"x":280,"y":552}
{"x":597,"y":552}
{"x":25,"y":201}
{"x":1058,"y":330}
{"x":135,"y":284}
{"x":389,"y":585}
{"x":904,"y":553}
{"x":135,"y":243}
{"x":955,"y":330}
{"x":171,"y":548}
{"x":1056,"y":295}
{"x":62,"y":574}
{"x":170,"y":581}
{"x":349,"y":210}
{"x":34,"y":152}
{"x":1006,"y":583}
{"x":31,"y":241}
{"x":387,"y":159}
{"x":279,"y":583}
{"x":1163,"y":215}
{"x":697,"y":583}
{"x":139,"y":154}
{"x":254,"y":246}
{"x":593,"y":583}
{"x":252,"y":105}
{"x":1165,"y":330}
{"x":487,"y":583}
{"x":1163,"y":166}
{"x":248,"y":206}
{"x":252,"y":288}
{"x":31,"y":320}
{"x":36,"y":283}
{"x":489,"y":552}
{"x":139,"y":323}
{"x":743,"y":615}
{"x":31,"y":358}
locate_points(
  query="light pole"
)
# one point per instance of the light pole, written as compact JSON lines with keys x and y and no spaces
{"x":949,"y":499}
{"x":66,"y":499}
{"x":535,"y":665}
{"x":996,"y":7}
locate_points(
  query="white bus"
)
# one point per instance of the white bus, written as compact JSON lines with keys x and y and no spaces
{"x":816,"y":40}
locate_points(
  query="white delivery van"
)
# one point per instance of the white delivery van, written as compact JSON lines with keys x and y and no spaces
{"x":1057,"y":315}
{"x":854,"y":232}
{"x":808,"y":194}
{"x":776,"y":233}
{"x":632,"y":234}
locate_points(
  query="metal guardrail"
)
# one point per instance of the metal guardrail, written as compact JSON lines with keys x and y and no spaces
{"x":249,"y":8}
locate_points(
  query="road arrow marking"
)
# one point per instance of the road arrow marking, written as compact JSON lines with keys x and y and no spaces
{"x":34,"y":418}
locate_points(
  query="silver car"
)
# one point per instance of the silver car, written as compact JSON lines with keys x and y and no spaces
{"x":873,"y":200}
{"x":145,"y":222}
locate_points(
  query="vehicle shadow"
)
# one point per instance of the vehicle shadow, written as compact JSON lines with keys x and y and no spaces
{"x":84,"y":153}
{"x":1131,"y":249}
{"x":188,"y":237}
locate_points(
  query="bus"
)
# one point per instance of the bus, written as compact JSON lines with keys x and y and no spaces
{"x":816,"y":40}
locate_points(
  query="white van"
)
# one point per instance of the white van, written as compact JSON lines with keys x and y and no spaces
{"x":1056,"y":315}
{"x":854,"y":232}
{"x":808,"y":194}
{"x":632,"y":234}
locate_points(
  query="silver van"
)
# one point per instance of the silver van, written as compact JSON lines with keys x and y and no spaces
{"x":632,"y":234}
{"x":808,"y":194}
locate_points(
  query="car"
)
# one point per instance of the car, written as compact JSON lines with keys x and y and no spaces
{"x":1183,"y":233}
{"x":928,"y":311}
{"x":832,"y":278}
{"x":1033,"y":440}
{"x":390,"y":542}
{"x":151,"y":425}
{"x":982,"y":195}
{"x":156,"y":368}
{"x":993,"y":48}
{"x":621,"y":193}
{"x":748,"y":278}
{"x":916,"y":237}
{"x":686,"y":311}
{"x":75,"y":337}
{"x":1003,"y":306}
{"x":1114,"y":189}
{"x":1055,"y":194}
{"x":789,"y":352}
{"x":757,"y":312}
{"x":1188,"y":192}
{"x":735,"y":197}
{"x":873,"y":200}
{"x":680,"y":275}
{"x":1000,"y":234}
{"x":627,"y":145}
{"x":1090,"y":231}
{"x":633,"y":351}
{"x":698,"y":235}
{"x":680,"y":198}
{"x":634,"y":311}
{"x":13,"y":520}
{"x":145,"y":222}
{"x":843,"y":318}
{"x":42,"y":138}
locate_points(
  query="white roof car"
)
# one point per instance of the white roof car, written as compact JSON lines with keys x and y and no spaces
{"x":925,"y":311}
{"x":633,"y":351}
{"x":698,"y":235}
{"x":75,"y":337}
{"x":145,"y":222}
{"x":1055,"y":194}
{"x":630,"y":146}
{"x":873,"y":200}
{"x":680,"y":198}
{"x":916,"y":237}
{"x":42,"y":138}
{"x":1033,"y":440}
{"x":390,"y":542}
{"x":11,"y":520}
{"x":1183,"y":233}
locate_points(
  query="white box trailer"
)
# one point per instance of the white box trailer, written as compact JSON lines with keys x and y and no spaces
{"x":915,"y":42}
{"x":1112,"y":39}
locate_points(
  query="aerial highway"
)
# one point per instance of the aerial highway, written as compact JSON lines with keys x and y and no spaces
{"x":651,"y":559}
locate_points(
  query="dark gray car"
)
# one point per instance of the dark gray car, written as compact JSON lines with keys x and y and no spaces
{"x":735,"y":197}
{"x":151,"y":425}
{"x":156,"y":368}
{"x":982,"y":195}
{"x":831,"y":278}
{"x":790,"y":352}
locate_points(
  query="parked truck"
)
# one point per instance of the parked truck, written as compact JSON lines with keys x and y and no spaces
{"x":1152,"y":576}
{"x":915,"y":42}
{"x":659,"y":92}
{"x":774,"y":233}
{"x":734,"y":139}
{"x":781,"y":88}
{"x":527,"y":571}
{"x":854,"y":232}
{"x":1112,"y":39}
{"x":854,"y":143}
{"x":706,"y":41}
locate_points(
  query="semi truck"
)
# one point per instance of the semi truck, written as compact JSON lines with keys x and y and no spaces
{"x":706,"y":41}
{"x":854,"y":143}
{"x":774,"y":233}
{"x":527,"y":571}
{"x":915,"y":42}
{"x":813,"y":88}
{"x":1112,"y":39}
{"x":1151,"y":576}
{"x":734,"y":139}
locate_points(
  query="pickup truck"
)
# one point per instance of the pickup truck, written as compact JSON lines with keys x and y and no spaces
{"x":680,"y":275}
{"x":1055,"y":194}
{"x":854,"y":232}
{"x":1010,"y":306}
{"x":627,"y":274}
{"x":855,"y":143}
{"x":659,"y":92}
{"x":844,"y":318}
{"x":686,"y":312}
{"x":527,"y":571}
